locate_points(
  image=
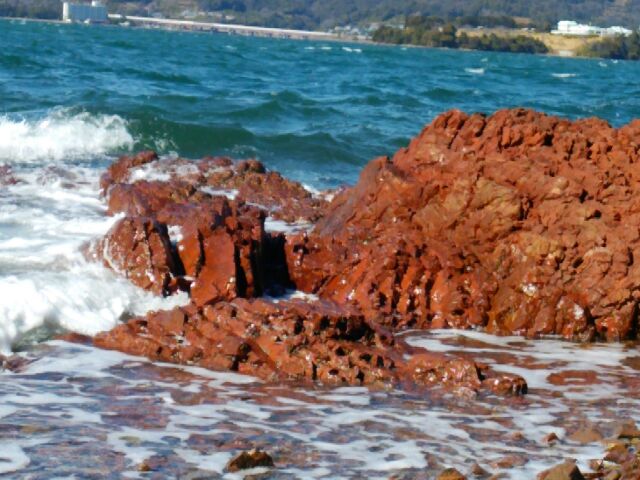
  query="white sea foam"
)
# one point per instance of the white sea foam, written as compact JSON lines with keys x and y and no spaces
{"x":139,"y":410}
{"x":475,"y":71}
{"x":163,"y":171}
{"x":175,"y":234}
{"x":61,"y":135}
{"x":296,"y":295}
{"x":44,"y":279}
{"x":327,"y":195}
{"x":12,"y":457}
{"x":564,"y":75}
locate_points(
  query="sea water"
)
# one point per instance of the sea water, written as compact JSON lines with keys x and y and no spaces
{"x":73,"y":98}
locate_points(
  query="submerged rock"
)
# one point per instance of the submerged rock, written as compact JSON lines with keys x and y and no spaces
{"x":451,"y":474}
{"x":251,"y":459}
{"x":6,"y":176}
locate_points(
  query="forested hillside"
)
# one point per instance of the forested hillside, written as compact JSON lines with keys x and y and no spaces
{"x":322,"y":14}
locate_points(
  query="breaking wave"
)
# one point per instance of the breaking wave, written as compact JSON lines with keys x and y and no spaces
{"x":61,"y":135}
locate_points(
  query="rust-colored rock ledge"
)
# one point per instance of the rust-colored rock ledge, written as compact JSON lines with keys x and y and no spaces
{"x":518,"y":223}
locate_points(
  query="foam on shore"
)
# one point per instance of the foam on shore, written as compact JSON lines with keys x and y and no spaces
{"x":113,"y":404}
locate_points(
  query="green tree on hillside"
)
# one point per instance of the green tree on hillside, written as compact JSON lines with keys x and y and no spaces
{"x":622,"y":48}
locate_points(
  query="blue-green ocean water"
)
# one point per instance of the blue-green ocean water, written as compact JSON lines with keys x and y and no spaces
{"x":72,"y":98}
{"x":316,"y":111}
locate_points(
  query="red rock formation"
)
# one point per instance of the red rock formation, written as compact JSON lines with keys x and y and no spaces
{"x":519,"y":222}
{"x":139,"y":248}
{"x":220,"y":243}
{"x":143,"y":185}
{"x":296,"y":340}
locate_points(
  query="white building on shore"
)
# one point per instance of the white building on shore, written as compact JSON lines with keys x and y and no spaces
{"x":84,"y":13}
{"x":571,"y":28}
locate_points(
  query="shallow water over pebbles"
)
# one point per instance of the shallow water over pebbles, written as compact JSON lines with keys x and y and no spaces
{"x":74,"y":410}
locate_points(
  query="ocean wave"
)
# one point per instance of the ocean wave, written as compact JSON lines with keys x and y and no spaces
{"x":62,"y":135}
{"x":86,"y":299}
{"x":191,"y":140}
{"x":564,"y":75}
{"x":47,"y":286}
{"x":161,"y":76}
{"x":475,"y":71}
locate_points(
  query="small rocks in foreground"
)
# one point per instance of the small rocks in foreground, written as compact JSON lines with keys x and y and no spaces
{"x":620,"y":462}
{"x":250,"y":459}
{"x":565,"y":471}
{"x":479,"y":472}
{"x":451,"y":474}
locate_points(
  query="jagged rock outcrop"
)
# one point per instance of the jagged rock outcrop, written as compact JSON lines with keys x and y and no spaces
{"x":519,"y":223}
{"x":140,"y":249}
{"x":300,"y":341}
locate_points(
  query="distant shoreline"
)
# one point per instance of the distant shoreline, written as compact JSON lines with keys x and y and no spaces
{"x":554,"y":42}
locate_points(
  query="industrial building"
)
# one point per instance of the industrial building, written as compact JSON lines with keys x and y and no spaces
{"x":84,"y":13}
{"x":569,"y":27}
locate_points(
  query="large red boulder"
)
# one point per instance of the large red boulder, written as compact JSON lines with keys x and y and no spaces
{"x":519,"y":222}
{"x":214,"y":211}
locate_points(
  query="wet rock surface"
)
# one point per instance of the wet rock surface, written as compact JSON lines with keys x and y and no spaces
{"x":517,"y":223}
{"x":74,"y":409}
{"x":251,"y":459}
{"x":451,"y":474}
{"x":565,"y":471}
{"x":294,"y":340}
{"x":140,"y":249}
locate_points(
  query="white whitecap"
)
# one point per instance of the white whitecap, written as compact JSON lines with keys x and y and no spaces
{"x":12,"y":457}
{"x":44,"y":221}
{"x":61,"y":135}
